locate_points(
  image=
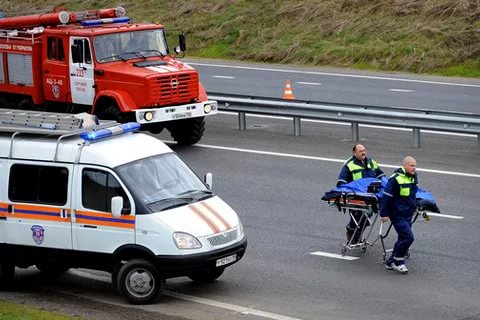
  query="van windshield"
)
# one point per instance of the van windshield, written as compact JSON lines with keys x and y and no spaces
{"x":162,"y":182}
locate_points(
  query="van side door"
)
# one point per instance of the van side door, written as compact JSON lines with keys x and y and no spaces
{"x":37,"y":209}
{"x":94,"y":226}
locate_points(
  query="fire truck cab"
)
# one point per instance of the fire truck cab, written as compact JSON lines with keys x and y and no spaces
{"x":105,"y":197}
{"x":99,"y":62}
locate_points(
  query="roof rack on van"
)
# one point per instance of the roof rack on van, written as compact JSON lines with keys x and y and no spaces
{"x":48,"y":123}
{"x":61,"y":125}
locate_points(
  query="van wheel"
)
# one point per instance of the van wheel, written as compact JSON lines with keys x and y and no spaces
{"x":139,"y":282}
{"x":188,"y":131}
{"x":207,"y":275}
{"x":7,"y":273}
{"x":52,"y":269}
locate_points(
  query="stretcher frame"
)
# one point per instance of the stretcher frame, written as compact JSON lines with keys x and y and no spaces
{"x":367,"y":204}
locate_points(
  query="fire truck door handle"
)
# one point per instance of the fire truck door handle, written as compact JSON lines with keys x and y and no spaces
{"x":89,"y":226}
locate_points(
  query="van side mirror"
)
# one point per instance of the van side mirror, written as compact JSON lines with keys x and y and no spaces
{"x":117,"y":206}
{"x":208,"y":180}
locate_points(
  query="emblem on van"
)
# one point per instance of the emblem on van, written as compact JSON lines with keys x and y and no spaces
{"x":38,"y":234}
{"x":174,"y":83}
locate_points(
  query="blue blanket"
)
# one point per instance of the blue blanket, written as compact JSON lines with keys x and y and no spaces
{"x":425,"y":199}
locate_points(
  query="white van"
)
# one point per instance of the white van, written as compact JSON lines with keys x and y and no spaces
{"x":107,"y":198}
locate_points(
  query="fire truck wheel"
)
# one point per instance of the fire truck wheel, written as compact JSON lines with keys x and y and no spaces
{"x":109,"y":113}
{"x":187,"y":132}
{"x":52,"y":269}
{"x":154,"y":128}
{"x":207,"y":275}
{"x":26,"y":104}
{"x":7,"y":273}
{"x":139,"y":282}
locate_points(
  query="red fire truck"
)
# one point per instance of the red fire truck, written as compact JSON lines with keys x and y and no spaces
{"x":100,"y":62}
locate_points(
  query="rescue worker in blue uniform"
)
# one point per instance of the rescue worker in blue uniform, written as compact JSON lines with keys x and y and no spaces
{"x":358,"y":166}
{"x":399,"y":206}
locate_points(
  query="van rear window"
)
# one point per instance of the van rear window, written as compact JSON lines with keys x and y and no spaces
{"x":38,"y":184}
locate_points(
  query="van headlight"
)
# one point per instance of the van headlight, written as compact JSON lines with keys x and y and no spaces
{"x":240,"y":230}
{"x":186,"y":241}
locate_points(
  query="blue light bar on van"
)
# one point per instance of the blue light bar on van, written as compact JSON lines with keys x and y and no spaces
{"x":113,"y":131}
{"x":97,"y":22}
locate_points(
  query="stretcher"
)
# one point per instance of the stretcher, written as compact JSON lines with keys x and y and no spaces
{"x":368,"y":204}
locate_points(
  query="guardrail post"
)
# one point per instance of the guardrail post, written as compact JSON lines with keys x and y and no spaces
{"x":416,"y":138}
{"x":297,"y":128}
{"x":355,"y":134}
{"x":242,"y":122}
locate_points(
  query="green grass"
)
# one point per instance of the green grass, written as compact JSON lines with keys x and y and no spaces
{"x":428,"y":36}
{"x":11,"y":311}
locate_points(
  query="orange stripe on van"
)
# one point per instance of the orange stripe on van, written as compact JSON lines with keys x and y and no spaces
{"x":37,"y":212}
{"x":205,"y":219}
{"x":104,"y":219}
{"x":217,"y":215}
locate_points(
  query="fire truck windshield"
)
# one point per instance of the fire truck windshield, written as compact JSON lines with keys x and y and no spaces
{"x":129,"y":45}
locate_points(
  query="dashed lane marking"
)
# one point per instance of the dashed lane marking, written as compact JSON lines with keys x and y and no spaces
{"x":333,"y":255}
{"x":401,"y":90}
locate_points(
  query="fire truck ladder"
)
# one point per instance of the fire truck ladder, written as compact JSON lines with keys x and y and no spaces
{"x":59,"y":125}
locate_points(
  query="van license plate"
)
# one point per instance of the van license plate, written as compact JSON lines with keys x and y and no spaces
{"x":226,"y":260}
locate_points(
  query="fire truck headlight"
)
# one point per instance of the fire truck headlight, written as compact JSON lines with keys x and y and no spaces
{"x":186,"y":241}
{"x":148,"y":116}
{"x":207,"y":108}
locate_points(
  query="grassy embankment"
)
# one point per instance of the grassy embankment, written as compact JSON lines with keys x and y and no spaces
{"x":421,"y":36}
{"x":10,"y":311}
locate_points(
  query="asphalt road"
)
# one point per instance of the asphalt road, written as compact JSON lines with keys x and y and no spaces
{"x":342,"y":86}
{"x":278,"y":197}
{"x":275,"y":180}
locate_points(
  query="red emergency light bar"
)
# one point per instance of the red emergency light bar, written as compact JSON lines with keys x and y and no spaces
{"x":62,"y":17}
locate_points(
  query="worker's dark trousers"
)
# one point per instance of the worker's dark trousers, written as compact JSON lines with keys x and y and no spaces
{"x":403,"y":227}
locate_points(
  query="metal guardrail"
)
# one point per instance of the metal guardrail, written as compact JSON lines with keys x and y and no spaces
{"x":415,"y":119}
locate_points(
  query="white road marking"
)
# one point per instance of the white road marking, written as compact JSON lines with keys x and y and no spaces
{"x":213,"y":303}
{"x":299,"y":156}
{"x":401,"y":90}
{"x":333,"y":255}
{"x":441,"y":215}
{"x":228,"y":306}
{"x":223,"y":77}
{"x":346,"y":75}
{"x":310,"y":83}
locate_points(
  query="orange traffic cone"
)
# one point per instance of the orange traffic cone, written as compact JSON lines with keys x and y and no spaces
{"x":288,"y":94}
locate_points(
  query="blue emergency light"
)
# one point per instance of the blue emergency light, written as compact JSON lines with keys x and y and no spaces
{"x":108,"y":132}
{"x":97,"y":22}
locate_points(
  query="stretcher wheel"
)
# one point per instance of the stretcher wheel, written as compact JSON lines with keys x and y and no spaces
{"x":364,"y":249}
